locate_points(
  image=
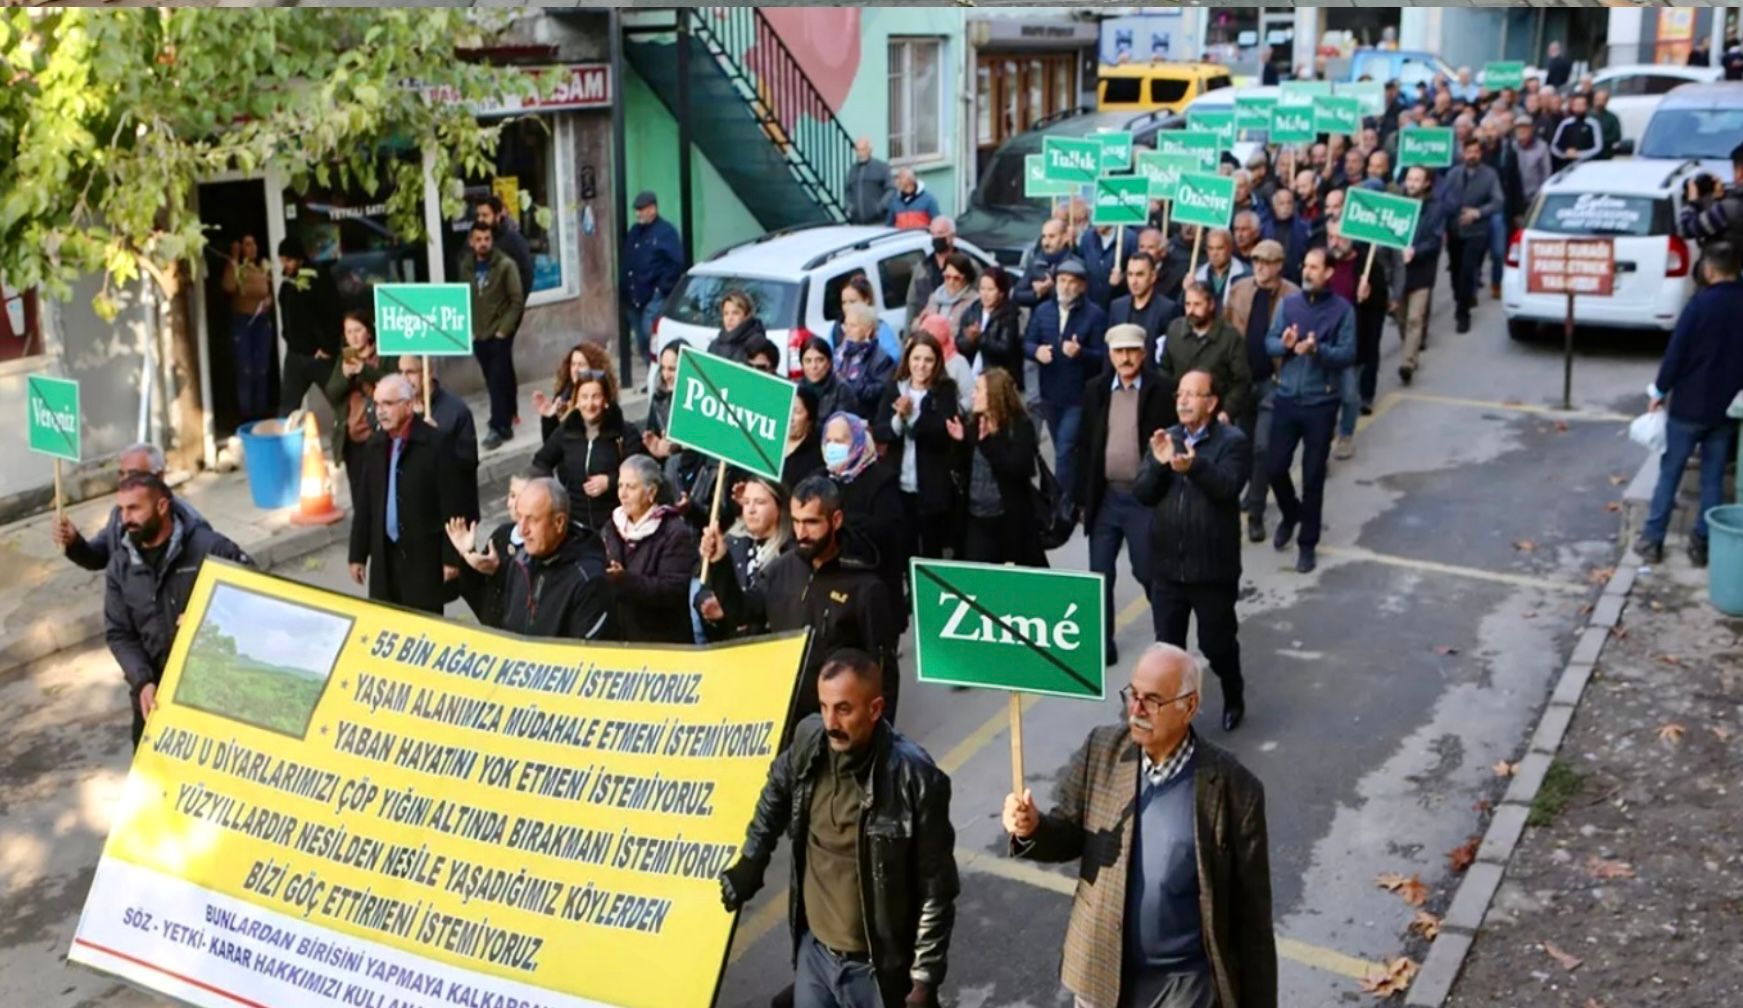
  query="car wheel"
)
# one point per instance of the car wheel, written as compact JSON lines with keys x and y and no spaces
{"x":1522,"y":330}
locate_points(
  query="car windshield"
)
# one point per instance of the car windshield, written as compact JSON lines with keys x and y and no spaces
{"x":1602,"y":214}
{"x":1680,"y":133}
{"x":1001,"y":186}
{"x":696,"y":299}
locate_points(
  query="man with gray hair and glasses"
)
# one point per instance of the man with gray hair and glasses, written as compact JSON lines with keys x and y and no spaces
{"x":410,"y":490}
{"x":139,"y":459}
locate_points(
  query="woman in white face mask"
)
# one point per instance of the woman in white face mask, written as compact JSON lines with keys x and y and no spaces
{"x":871,"y":499}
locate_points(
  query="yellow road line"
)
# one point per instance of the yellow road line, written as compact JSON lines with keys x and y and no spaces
{"x":1477,"y":573}
{"x":1329,"y":960}
{"x":1381,"y":408}
{"x":1544,"y":411}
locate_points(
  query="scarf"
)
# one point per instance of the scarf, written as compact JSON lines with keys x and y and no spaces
{"x":861,"y":452}
{"x":856,"y":357}
{"x":649,"y":524}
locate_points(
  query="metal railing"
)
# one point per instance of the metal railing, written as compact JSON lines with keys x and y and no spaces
{"x":792,"y":112}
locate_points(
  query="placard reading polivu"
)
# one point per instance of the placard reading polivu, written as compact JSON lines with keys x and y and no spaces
{"x":434,"y":320}
{"x":1429,"y":146}
{"x":1036,"y":184}
{"x":1121,"y":199}
{"x":1204,"y":199}
{"x":344,"y":803}
{"x":1014,"y":628}
{"x":1074,"y":161}
{"x":52,"y":420}
{"x":1163,"y":170}
{"x":1379,"y":217}
{"x":731,"y":412}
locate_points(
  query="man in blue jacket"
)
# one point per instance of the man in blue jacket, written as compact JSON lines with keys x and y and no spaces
{"x":1104,"y":260}
{"x":1702,"y":373}
{"x":653,"y":262}
{"x":1315,"y":335}
{"x":1065,"y":339}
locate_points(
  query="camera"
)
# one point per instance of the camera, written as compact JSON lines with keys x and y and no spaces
{"x":1705,"y":185}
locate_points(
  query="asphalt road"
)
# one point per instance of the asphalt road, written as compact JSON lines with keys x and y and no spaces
{"x":1459,"y":550}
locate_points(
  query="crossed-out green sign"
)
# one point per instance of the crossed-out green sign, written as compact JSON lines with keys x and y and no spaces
{"x":730,"y":412}
{"x":1380,"y":218}
{"x":1505,"y":74}
{"x":52,"y":416}
{"x":1036,"y":184}
{"x":1116,"y":150}
{"x":1205,"y":199}
{"x":1292,"y":124}
{"x":1302,"y":92}
{"x":1164,"y":170}
{"x":1337,"y":115}
{"x":1204,"y":145}
{"x":1121,"y":199}
{"x":428,"y":319}
{"x":1431,"y":146}
{"x":1074,"y":161}
{"x":1012,"y":628}
{"x":1220,"y":121}
{"x":1254,"y":113}
{"x":1370,"y":95}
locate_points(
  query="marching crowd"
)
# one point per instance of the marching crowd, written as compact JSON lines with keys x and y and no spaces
{"x":1177,"y":397}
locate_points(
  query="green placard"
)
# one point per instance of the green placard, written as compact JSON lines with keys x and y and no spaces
{"x":1431,"y":146}
{"x":1254,"y":114}
{"x":1163,"y":170}
{"x":1011,"y":628}
{"x":1220,"y":121}
{"x":1206,"y":199}
{"x":52,"y":416}
{"x":427,"y":319}
{"x":1292,"y":124}
{"x":1371,"y":95}
{"x":1116,"y":150}
{"x":1506,"y":74}
{"x":1337,"y":115}
{"x":1036,"y":184}
{"x":1302,"y":92}
{"x":731,"y":412}
{"x":1204,"y":145}
{"x":1380,"y":218}
{"x":1121,"y":199}
{"x":1075,"y":161}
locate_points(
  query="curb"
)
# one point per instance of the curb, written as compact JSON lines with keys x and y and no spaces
{"x":1446,"y":957}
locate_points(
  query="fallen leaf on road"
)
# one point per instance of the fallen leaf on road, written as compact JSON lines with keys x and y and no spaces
{"x":1670,"y":734}
{"x":1503,"y":768}
{"x":1482,"y":806}
{"x":1561,"y":426}
{"x":1593,"y":1003}
{"x":1722,"y":734}
{"x":1562,"y":959}
{"x":1445,"y":649}
{"x":1462,"y":856}
{"x":1670,"y":659}
{"x":1604,"y":868}
{"x":1426,"y":924}
{"x":1599,"y":575}
{"x":1393,"y":978}
{"x":1390,"y":881}
{"x":1612,"y":506}
{"x":1524,"y":545}
{"x":1617,"y":479}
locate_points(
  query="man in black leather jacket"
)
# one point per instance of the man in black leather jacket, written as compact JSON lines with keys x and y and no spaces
{"x":872,"y":895}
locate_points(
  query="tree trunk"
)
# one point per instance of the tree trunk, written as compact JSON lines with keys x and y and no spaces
{"x":187,"y":419}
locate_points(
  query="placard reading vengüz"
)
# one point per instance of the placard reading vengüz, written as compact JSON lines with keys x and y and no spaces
{"x":342,"y":803}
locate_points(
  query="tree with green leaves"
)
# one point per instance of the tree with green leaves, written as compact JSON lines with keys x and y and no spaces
{"x":111,"y":118}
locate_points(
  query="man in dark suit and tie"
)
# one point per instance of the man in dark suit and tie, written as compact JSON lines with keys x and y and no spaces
{"x":410,"y":490}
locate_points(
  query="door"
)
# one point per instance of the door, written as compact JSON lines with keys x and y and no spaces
{"x":236,"y":218}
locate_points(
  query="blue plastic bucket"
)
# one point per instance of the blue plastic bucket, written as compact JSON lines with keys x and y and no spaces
{"x":274,"y":463}
{"x":1725,"y":558}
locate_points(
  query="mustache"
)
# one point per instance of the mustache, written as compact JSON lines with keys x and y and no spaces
{"x":838,"y":735}
{"x":1135,"y":721}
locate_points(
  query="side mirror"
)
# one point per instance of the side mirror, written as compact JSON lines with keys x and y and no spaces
{"x":1623,"y":148}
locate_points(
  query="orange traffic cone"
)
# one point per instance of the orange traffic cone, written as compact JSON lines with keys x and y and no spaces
{"x":315,"y":497}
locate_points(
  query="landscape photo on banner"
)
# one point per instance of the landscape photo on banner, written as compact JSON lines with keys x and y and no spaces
{"x":342,"y":801}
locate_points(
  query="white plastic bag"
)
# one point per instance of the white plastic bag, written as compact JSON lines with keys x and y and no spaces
{"x":1647,"y":430}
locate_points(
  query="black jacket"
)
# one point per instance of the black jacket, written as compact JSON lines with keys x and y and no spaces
{"x":484,"y":593}
{"x":429,"y":495}
{"x":93,"y":554}
{"x":803,"y":461}
{"x":833,"y":396}
{"x":736,"y":345}
{"x":562,"y":595}
{"x":1155,"y":411}
{"x":310,"y":315}
{"x":507,"y":237}
{"x":652,"y":600}
{"x":454,"y":422}
{"x":1011,"y":454}
{"x":999,"y":341}
{"x":872,"y":506}
{"x":1195,"y":537}
{"x":572,"y":457}
{"x":1154,"y":317}
{"x":932,"y":467}
{"x":142,"y":607}
{"x":907,"y":858}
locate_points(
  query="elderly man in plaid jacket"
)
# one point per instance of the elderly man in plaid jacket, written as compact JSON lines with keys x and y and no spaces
{"x":1173,"y":905}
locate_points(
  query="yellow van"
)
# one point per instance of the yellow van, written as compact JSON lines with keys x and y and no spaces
{"x":1142,"y":87}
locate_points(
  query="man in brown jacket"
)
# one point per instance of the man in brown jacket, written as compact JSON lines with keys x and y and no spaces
{"x":1264,"y":290}
{"x":1173,"y":905}
{"x":1201,"y":340}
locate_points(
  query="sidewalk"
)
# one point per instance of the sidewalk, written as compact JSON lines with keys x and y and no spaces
{"x":48,"y":604}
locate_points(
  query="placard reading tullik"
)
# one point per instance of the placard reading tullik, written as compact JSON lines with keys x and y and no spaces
{"x":1429,"y":146}
{"x":52,"y":416}
{"x":1204,"y":145}
{"x":1163,"y":170}
{"x":1036,"y":184}
{"x":1116,"y":150}
{"x":1292,"y":124}
{"x":344,"y":803}
{"x":431,"y":320}
{"x":1075,"y":161}
{"x":1012,"y":628}
{"x":1380,"y":218}
{"x":1332,"y":114}
{"x":1504,"y":74}
{"x":1121,"y":200}
{"x":1205,"y":199}
{"x":731,"y":412}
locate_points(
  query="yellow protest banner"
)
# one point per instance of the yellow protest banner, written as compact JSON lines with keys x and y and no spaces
{"x":344,"y":803}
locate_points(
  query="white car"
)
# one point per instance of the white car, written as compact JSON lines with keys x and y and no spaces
{"x":794,"y":278}
{"x":1637,"y":88}
{"x":1695,"y":122}
{"x":1634,"y":202}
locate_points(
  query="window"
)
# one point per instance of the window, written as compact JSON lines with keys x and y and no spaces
{"x":20,"y":324}
{"x":916,"y":99}
{"x":1625,"y":87}
{"x":696,"y":299}
{"x":1657,"y":84}
{"x":894,"y":275}
{"x":1602,"y":214}
{"x":1013,"y":93}
{"x":832,"y":294}
{"x":1168,"y":90}
{"x":526,"y":174}
{"x":1218,"y":82}
{"x":1703,"y":134}
{"x":346,"y":234}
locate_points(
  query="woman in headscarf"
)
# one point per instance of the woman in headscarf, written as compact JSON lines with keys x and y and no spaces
{"x":911,"y":424}
{"x":952,"y":298}
{"x":351,"y":392}
{"x":740,"y":329}
{"x":591,"y":441}
{"x":650,"y":553}
{"x":996,"y":460}
{"x":990,"y":336}
{"x":817,"y":362}
{"x":860,"y":363}
{"x":871,"y":500}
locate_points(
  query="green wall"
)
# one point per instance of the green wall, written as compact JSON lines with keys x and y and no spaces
{"x":650,"y":146}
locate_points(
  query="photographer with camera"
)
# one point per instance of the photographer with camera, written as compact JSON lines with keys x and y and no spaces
{"x":1712,"y":211}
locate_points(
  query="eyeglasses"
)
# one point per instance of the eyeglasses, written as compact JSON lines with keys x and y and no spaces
{"x":125,"y":473}
{"x":1152,"y":704}
{"x":589,"y":374}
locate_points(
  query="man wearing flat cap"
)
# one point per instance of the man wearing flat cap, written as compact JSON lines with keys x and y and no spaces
{"x":1065,"y":340}
{"x":653,"y":262}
